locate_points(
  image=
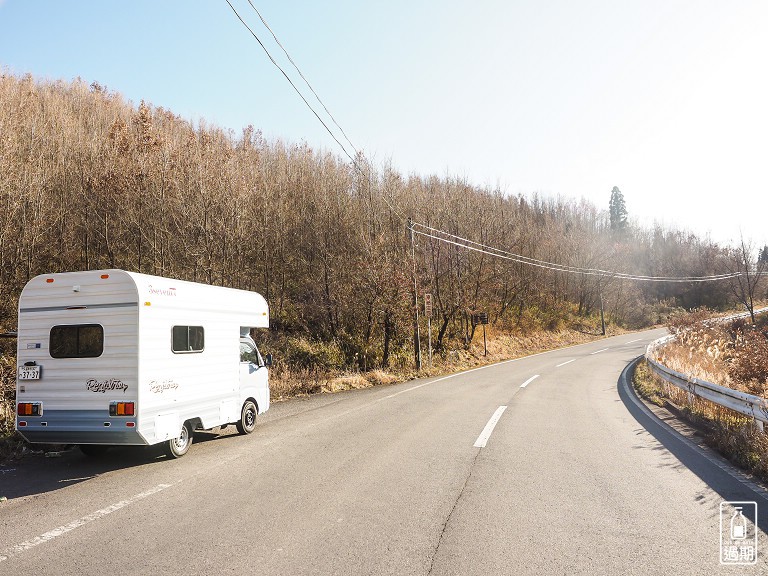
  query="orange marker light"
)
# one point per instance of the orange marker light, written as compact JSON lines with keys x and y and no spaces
{"x":49,"y":280}
{"x":104,"y":276}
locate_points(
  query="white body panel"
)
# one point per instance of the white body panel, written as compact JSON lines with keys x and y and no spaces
{"x":137,"y":313}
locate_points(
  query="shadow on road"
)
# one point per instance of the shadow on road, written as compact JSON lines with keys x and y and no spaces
{"x":38,"y":473}
{"x":709,"y":468}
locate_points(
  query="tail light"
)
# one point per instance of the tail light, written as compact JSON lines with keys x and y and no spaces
{"x":122,"y":409}
{"x":30,"y":409}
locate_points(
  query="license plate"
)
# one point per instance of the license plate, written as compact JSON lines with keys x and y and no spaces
{"x":29,"y":372}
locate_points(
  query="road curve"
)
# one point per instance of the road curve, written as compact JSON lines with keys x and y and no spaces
{"x":543,"y":465}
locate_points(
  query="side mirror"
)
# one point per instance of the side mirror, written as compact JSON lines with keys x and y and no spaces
{"x":268,"y":361}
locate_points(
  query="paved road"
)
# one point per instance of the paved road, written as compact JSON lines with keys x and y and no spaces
{"x":575,"y":478}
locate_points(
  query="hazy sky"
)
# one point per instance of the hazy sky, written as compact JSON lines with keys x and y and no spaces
{"x":668,"y":100}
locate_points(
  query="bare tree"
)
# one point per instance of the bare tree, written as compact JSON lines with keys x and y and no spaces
{"x":748,"y":270}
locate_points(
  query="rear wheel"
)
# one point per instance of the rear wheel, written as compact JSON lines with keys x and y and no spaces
{"x":247,"y":422}
{"x":177,"y":447}
{"x":94,"y":450}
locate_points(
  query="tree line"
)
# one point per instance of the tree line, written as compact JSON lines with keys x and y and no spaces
{"x":90,"y":181}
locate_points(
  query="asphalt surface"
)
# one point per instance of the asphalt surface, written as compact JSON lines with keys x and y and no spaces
{"x":576,"y":477}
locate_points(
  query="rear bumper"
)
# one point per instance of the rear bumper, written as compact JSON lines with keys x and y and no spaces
{"x":78,"y":427}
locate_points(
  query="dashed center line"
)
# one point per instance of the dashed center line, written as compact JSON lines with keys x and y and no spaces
{"x":598,"y":352}
{"x":482,"y":440}
{"x":531,"y":379}
{"x":633,"y":341}
{"x":567,"y":362}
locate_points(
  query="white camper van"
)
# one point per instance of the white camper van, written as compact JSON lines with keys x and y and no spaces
{"x":111,"y":357}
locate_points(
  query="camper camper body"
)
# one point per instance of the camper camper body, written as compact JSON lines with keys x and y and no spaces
{"x":111,"y":357}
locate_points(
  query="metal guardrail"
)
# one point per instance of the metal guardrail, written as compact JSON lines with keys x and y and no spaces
{"x":753,"y":406}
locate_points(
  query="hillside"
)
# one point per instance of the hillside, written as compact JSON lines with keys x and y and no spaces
{"x":91,"y":181}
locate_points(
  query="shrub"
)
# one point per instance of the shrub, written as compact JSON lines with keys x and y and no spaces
{"x":7,"y":394}
{"x":681,"y":322}
{"x":748,"y":359}
{"x":303,"y":353}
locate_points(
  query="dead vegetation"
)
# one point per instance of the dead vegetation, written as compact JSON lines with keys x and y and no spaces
{"x":92,"y":181}
{"x":288,"y":380}
{"x":732,"y":354}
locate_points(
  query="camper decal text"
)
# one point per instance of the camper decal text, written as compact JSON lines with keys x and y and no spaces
{"x":159,"y":387}
{"x":161,"y":291}
{"x":102,"y":386}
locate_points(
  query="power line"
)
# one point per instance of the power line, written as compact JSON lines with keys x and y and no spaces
{"x":291,"y":83}
{"x":498,"y":253}
{"x":302,"y":75}
{"x":357,"y":166}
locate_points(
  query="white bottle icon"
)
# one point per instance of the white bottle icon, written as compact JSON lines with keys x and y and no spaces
{"x":738,"y":526}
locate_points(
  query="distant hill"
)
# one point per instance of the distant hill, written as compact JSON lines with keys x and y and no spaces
{"x":90,"y":181}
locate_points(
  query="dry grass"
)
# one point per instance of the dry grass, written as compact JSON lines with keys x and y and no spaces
{"x":650,"y":388}
{"x":732,"y":354}
{"x":11,"y":444}
{"x":7,"y":393}
{"x":286,"y":382}
{"x":732,"y":434}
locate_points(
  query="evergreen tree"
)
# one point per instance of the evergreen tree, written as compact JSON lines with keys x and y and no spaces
{"x":763,"y":258}
{"x":618,"y":210}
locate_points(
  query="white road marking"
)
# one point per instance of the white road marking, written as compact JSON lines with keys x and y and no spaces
{"x":633,"y":341}
{"x":482,"y":440}
{"x":443,"y":378}
{"x":479,"y":368}
{"x":76,"y":479}
{"x":61,"y":530}
{"x":598,"y":352}
{"x":564,"y":363}
{"x":531,"y":379}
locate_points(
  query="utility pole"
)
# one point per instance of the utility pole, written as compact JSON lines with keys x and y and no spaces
{"x":602,"y":310}
{"x":416,"y":335}
{"x":428,"y":314}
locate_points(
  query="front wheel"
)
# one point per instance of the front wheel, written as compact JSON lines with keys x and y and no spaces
{"x":247,"y":422}
{"x":177,"y":447}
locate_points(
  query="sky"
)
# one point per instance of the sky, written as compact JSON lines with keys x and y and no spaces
{"x":666,"y":99}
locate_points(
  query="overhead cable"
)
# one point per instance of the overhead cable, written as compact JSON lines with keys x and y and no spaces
{"x":263,"y":21}
{"x":461,"y":242}
{"x":355,"y":163}
{"x":291,"y":82}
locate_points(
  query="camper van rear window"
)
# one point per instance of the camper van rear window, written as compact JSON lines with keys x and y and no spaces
{"x":77,"y":341}
{"x":188,"y":339}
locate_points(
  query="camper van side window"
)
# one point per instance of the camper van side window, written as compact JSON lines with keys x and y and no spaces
{"x":78,"y":341}
{"x":188,"y":339}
